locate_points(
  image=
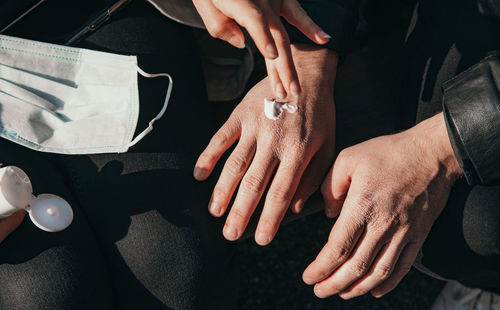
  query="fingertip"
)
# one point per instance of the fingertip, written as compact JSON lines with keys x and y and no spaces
{"x":263,"y":239}
{"x":280,"y":91}
{"x":230,"y":233}
{"x":322,"y":37}
{"x":200,"y":174}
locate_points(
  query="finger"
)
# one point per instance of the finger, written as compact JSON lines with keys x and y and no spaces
{"x":250,"y":191}
{"x":254,"y":19}
{"x":220,"y":142}
{"x":381,"y":270}
{"x":284,"y":64}
{"x":274,"y":79}
{"x":234,"y":169}
{"x":311,"y":180}
{"x":293,"y":12}
{"x":337,"y":182}
{"x":355,"y":267}
{"x":403,"y":266}
{"x":341,"y":242}
{"x":9,"y":224}
{"x":278,"y":199}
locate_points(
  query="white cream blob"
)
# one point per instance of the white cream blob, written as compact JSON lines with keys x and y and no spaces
{"x":274,"y":109}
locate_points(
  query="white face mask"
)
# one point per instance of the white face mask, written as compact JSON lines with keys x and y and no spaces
{"x":68,"y":100}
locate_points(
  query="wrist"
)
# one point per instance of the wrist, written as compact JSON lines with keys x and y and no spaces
{"x":434,"y":137}
{"x":315,"y":64}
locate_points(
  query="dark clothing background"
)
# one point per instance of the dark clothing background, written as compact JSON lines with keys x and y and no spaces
{"x":142,"y":237}
{"x":446,"y":38}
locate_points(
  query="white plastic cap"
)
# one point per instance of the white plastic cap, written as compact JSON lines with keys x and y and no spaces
{"x":50,"y":212}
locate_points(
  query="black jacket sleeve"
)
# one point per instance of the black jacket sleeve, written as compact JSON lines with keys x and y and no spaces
{"x":471,"y":105}
{"x":338,"y":18}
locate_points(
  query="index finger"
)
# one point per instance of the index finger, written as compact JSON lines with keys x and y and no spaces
{"x":254,"y":19}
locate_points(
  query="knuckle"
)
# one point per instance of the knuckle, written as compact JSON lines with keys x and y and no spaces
{"x":252,"y":184}
{"x":220,"y":140}
{"x":404,"y":268}
{"x":217,"y":30}
{"x":383,"y":272}
{"x":280,"y":196}
{"x":238,"y":215}
{"x":236,"y":165}
{"x":338,"y":254}
{"x":207,"y":157}
{"x":358,"y":267}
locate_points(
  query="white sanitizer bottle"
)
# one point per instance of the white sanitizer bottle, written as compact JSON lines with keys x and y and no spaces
{"x":48,"y":212}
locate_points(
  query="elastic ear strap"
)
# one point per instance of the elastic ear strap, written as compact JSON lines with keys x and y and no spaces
{"x":163,"y":109}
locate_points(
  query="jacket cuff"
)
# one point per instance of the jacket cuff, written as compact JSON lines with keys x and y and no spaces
{"x":338,"y":18}
{"x":471,"y":106}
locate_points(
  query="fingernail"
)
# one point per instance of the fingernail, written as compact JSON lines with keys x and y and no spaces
{"x":230,"y":233}
{"x":345,"y":296}
{"x":280,"y":91}
{"x":237,"y":42}
{"x":198,"y":173}
{"x":324,"y":35}
{"x":214,"y":208}
{"x":295,"y":88}
{"x":376,"y":295}
{"x":319,"y":293}
{"x":308,"y":280}
{"x":262,"y":238}
{"x":271,"y":51}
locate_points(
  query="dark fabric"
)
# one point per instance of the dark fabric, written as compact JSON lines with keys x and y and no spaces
{"x":446,"y":38}
{"x":464,"y":243}
{"x":142,"y":236}
{"x":472,"y":101}
{"x":338,"y":18}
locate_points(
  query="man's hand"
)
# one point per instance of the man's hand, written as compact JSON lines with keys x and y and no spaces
{"x":9,"y":224}
{"x":292,"y":154}
{"x":388,"y":191}
{"x":261,"y":18}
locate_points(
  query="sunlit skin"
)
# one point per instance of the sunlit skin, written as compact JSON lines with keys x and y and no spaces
{"x":261,"y":19}
{"x":291,"y":154}
{"x":387,"y":193}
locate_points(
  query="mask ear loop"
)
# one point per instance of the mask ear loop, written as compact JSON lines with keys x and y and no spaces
{"x":163,"y":109}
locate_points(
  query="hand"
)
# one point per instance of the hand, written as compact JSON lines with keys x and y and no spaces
{"x":9,"y":224}
{"x":261,"y":18}
{"x":388,"y":191}
{"x":292,"y":153}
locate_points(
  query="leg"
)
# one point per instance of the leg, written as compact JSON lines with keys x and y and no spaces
{"x":150,"y":216}
{"x":40,"y":270}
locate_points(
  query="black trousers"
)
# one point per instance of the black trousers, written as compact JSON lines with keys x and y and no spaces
{"x":142,"y":238}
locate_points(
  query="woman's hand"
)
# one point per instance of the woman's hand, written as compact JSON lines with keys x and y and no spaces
{"x":388,"y":191}
{"x":261,"y":18}
{"x":292,"y":154}
{"x":9,"y":224}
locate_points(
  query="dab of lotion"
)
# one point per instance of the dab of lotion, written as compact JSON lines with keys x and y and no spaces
{"x":274,"y":109}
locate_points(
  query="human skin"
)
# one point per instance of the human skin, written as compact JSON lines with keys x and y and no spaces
{"x":9,"y":224}
{"x":291,"y":154}
{"x":261,"y":18}
{"x":387,"y":192}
